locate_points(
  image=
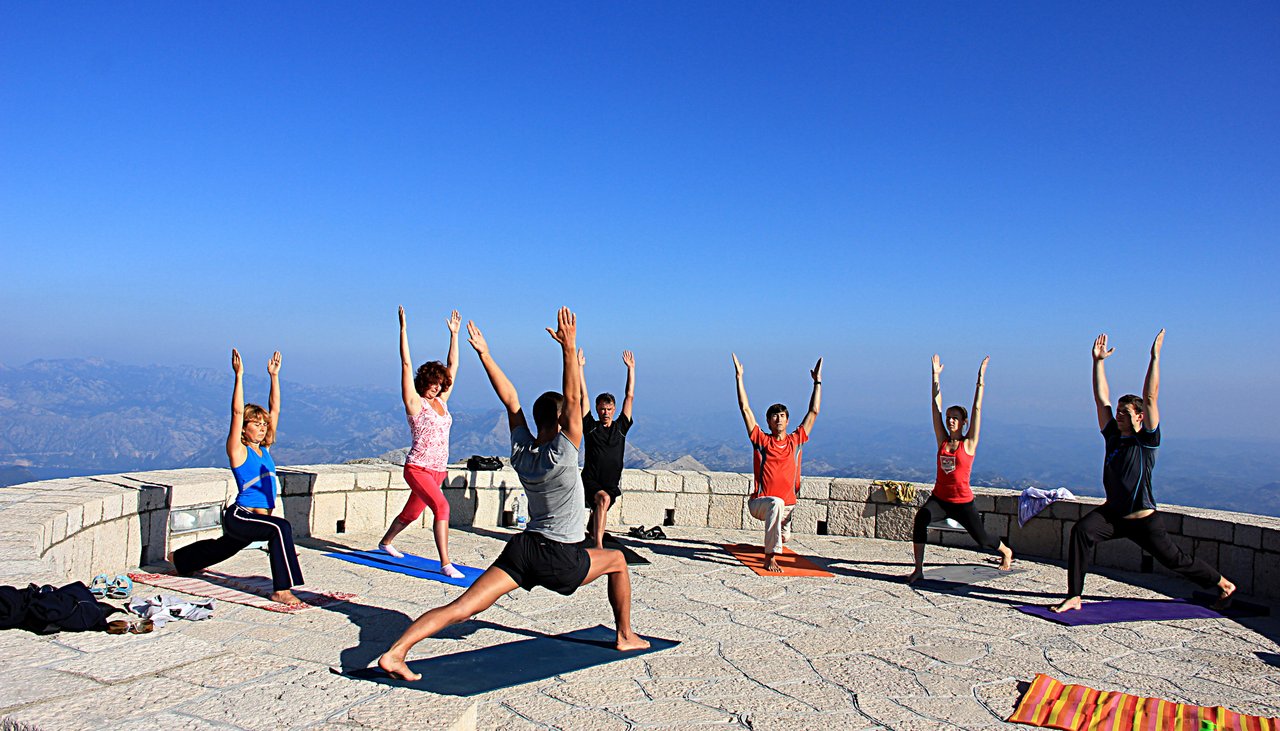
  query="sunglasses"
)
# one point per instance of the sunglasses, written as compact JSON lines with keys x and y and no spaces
{"x":124,"y":626}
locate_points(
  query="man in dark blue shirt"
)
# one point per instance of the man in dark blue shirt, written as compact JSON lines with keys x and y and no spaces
{"x":1132,"y":437}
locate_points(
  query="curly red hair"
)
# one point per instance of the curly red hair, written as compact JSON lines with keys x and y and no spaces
{"x":432,"y":372}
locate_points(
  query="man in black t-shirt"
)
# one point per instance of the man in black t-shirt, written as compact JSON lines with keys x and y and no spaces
{"x":605,"y":440}
{"x":1132,"y":437}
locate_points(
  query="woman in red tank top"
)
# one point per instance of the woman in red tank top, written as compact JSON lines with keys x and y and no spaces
{"x":952,"y":497}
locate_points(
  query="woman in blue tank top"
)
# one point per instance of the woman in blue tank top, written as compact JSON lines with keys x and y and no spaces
{"x":249,"y":518}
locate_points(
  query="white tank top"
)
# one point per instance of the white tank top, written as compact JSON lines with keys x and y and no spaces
{"x":430,"y":448}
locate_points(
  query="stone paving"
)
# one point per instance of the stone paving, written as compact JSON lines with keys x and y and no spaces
{"x":857,"y":651}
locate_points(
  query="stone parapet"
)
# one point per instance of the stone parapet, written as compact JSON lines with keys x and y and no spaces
{"x":73,"y":528}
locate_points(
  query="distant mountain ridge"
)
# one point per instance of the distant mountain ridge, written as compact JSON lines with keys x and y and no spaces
{"x":89,"y":416}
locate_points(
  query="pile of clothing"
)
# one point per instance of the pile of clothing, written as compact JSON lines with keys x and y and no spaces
{"x":75,"y":608}
{"x":47,"y":609}
{"x":162,"y":608}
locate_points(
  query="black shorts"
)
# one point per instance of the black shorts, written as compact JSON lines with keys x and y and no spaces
{"x":590,"y":486}
{"x":531,"y":559}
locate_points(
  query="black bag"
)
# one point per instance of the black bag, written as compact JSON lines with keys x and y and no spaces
{"x":13,"y":606}
{"x":478,"y":463}
{"x":71,"y":608}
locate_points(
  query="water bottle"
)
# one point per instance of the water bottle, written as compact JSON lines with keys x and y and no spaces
{"x":522,"y":516}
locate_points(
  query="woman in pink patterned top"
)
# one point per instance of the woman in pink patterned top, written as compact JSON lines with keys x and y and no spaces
{"x":425,"y":394}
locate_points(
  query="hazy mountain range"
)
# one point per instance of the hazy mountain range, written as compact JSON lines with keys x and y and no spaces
{"x":87,"y":416}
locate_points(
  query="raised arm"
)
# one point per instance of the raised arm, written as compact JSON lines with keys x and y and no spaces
{"x":582,"y":379}
{"x":815,"y":400}
{"x":748,"y":418}
{"x":975,"y":414}
{"x":1151,"y":387}
{"x":1101,"y":392}
{"x":501,"y":384}
{"x":273,"y":399}
{"x":939,"y":426}
{"x":236,"y":450}
{"x":453,"y":323}
{"x":408,"y":393}
{"x":629,"y":359}
{"x":566,"y":333}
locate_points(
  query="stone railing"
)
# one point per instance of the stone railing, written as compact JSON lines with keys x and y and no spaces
{"x":54,"y":530}
{"x":74,"y":528}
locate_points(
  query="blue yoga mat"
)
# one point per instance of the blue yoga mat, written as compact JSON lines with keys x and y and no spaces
{"x":515,"y":663}
{"x":411,"y":565}
{"x":1123,"y":610}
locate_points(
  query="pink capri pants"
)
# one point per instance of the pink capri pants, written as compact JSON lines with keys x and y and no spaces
{"x":425,"y":492}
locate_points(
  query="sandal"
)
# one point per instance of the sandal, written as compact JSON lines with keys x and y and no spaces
{"x":98,"y":587}
{"x":120,"y":587}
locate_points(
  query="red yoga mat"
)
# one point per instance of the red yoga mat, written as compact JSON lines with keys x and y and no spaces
{"x":792,"y":563}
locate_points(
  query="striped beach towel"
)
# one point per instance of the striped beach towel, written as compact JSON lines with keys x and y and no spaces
{"x":251,"y":591}
{"x":1049,"y":703}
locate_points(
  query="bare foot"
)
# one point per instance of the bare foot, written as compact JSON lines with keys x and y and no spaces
{"x":630,"y":641}
{"x":284,"y":596}
{"x":396,"y":667}
{"x":771,"y":565}
{"x":1225,"y":589}
{"x":1006,"y":558}
{"x":1066,"y":605}
{"x":169,"y":558}
{"x":914,"y":576}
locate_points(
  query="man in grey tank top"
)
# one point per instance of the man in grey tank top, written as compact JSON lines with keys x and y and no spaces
{"x":549,"y":474}
{"x":548,"y":552}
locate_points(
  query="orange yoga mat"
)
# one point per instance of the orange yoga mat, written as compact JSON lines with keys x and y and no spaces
{"x":1049,"y":703}
{"x":792,"y":563}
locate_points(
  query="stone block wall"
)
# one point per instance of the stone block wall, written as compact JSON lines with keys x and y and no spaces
{"x":57,"y":530}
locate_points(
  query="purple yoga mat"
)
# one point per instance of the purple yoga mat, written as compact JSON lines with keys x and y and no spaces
{"x":1123,"y":610}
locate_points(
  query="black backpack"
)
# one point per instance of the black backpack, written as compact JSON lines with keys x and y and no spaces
{"x":479,"y":464}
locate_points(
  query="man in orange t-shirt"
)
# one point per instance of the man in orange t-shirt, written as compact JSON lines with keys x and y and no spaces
{"x":777,"y":464}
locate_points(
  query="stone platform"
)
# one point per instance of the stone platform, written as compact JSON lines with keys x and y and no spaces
{"x":857,"y":651}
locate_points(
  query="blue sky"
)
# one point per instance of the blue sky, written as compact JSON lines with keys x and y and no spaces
{"x":868,"y":182}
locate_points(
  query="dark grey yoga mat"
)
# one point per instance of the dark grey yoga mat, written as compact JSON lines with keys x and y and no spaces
{"x":1235,"y":609}
{"x":473,"y":672}
{"x":967,"y":573}
{"x":633,"y":558}
{"x":611,"y":541}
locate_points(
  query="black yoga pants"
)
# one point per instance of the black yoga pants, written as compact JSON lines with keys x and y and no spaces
{"x":963,"y":513}
{"x":240,"y":527}
{"x":1148,"y":533}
